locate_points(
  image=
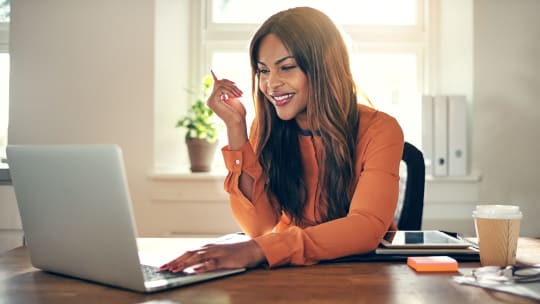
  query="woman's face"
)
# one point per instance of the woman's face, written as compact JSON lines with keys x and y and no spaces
{"x":282,"y":81}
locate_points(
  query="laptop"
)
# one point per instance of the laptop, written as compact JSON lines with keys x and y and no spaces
{"x":77,"y":216}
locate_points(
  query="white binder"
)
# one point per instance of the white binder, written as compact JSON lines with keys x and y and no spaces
{"x":427,"y":132}
{"x":440,"y":140}
{"x":457,"y":136}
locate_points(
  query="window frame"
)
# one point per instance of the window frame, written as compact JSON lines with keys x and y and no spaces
{"x":206,"y":37}
{"x":367,"y":35}
{"x":405,"y":39}
{"x":4,"y":48}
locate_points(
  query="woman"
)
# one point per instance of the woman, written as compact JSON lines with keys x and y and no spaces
{"x":318,"y":177}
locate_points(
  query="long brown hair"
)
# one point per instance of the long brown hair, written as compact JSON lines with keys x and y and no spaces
{"x":321,"y":53}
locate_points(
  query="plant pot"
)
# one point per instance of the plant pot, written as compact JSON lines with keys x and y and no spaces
{"x":201,"y":154}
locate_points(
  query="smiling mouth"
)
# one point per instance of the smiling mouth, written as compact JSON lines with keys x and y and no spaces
{"x":282,"y":100}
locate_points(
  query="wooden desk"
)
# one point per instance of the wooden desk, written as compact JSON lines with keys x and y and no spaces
{"x":324,"y":283}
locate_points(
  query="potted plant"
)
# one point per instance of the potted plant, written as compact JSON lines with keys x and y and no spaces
{"x":201,"y":131}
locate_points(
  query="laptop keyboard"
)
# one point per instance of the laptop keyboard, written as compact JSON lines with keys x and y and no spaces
{"x":152,"y":273}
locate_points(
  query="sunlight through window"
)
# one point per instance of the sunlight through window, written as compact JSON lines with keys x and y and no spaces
{"x":359,"y":12}
{"x":388,"y":70}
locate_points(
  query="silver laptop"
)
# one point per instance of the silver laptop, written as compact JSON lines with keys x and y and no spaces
{"x":77,"y":217}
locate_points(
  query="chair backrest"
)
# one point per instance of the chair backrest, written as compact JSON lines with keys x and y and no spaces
{"x":411,"y":203}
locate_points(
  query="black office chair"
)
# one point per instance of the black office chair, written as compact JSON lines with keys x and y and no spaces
{"x":410,"y":207}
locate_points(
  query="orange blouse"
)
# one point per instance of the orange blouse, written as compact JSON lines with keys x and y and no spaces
{"x":379,"y":148}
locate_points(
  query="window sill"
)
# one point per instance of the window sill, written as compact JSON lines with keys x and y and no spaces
{"x":188,"y":175}
{"x":187,"y":187}
{"x":220,"y":174}
{"x":5,"y":177}
{"x":471,"y":178}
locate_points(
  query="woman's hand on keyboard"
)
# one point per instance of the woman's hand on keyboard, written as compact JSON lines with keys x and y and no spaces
{"x":218,"y":256}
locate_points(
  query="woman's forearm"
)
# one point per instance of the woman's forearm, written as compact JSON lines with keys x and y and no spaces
{"x":237,"y":136}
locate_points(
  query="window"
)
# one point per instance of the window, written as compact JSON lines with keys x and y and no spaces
{"x":359,"y":12}
{"x":4,"y":97}
{"x":387,"y":39}
{"x":4,"y":74}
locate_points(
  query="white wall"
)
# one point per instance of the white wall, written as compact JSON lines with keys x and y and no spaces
{"x":92,"y":72}
{"x":172,"y":71}
{"x":89,"y":72}
{"x":504,"y":89}
{"x":83,"y":72}
{"x":507,"y":104}
{"x":11,"y":235}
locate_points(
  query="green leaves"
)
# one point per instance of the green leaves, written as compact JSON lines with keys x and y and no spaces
{"x":200,"y":120}
{"x":5,"y":10}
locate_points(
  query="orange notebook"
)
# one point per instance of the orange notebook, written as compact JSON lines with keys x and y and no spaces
{"x":433,"y":264}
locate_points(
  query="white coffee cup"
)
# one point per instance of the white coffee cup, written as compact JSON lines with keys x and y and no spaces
{"x":497,"y":229}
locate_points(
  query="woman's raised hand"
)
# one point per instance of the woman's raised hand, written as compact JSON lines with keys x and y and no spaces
{"x":225,"y":102}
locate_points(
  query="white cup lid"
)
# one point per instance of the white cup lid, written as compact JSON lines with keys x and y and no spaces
{"x":497,"y":211}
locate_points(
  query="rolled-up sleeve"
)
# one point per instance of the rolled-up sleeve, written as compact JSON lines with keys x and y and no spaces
{"x":255,"y":217}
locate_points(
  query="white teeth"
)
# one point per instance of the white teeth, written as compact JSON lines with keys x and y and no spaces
{"x":282,"y":97}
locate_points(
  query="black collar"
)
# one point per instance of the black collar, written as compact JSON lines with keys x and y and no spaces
{"x":308,"y":132}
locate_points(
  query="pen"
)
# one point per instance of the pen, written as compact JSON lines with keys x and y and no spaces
{"x":235,"y":90}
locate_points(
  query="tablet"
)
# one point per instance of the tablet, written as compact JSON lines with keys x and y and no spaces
{"x":421,"y":239}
